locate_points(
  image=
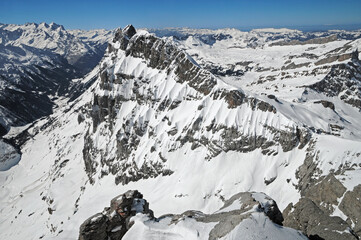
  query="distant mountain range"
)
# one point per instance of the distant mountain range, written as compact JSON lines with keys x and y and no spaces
{"x":311,"y":28}
{"x":37,"y":65}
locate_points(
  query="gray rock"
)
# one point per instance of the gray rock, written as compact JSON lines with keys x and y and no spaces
{"x":343,"y":80}
{"x":129,"y":31}
{"x":321,"y":40}
{"x":114,"y":221}
{"x":325,"y":193}
{"x":339,"y":58}
{"x":351,"y":207}
{"x":327,"y":104}
{"x":308,"y":171}
{"x":94,"y":228}
{"x":316,"y":224}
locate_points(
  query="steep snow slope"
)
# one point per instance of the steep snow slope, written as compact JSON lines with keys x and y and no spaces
{"x":37,"y":64}
{"x":156,"y":120}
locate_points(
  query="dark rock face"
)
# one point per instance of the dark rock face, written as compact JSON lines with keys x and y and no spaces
{"x":3,"y":130}
{"x":113,"y":222}
{"x":294,"y":66}
{"x":161,"y":55}
{"x":343,"y":81}
{"x":291,"y":138}
{"x":340,"y":58}
{"x":351,"y":207}
{"x":236,"y":98}
{"x":327,"y":104}
{"x":308,"y":170}
{"x":28,"y":99}
{"x":222,"y":72}
{"x":325,"y":193}
{"x":321,"y":40}
{"x":93,"y":228}
{"x":129,"y":31}
{"x":88,"y":154}
{"x":273,"y":213}
{"x":311,"y":220}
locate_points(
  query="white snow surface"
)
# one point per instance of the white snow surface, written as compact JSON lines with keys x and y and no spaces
{"x":258,"y":226}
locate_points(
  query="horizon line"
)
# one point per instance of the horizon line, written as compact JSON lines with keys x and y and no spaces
{"x":306,"y":27}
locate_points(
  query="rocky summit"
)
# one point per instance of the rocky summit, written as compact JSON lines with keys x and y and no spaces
{"x":212,"y":127}
{"x":244,"y":215}
{"x":115,"y":221}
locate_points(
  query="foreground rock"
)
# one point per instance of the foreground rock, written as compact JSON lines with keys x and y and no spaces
{"x":244,"y":216}
{"x":351,"y":207}
{"x":310,"y":219}
{"x":114,"y":221}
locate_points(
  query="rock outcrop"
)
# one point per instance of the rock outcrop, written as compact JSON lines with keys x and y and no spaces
{"x":351,"y":207}
{"x":321,"y":40}
{"x":343,"y":81}
{"x":129,"y":217}
{"x":114,"y":221}
{"x":307,"y":217}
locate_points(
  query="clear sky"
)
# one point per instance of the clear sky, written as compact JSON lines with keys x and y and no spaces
{"x":109,"y":14}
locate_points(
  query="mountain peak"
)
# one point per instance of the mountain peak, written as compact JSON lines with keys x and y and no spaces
{"x":124,"y":35}
{"x":54,"y":26}
{"x":44,"y":24}
{"x":129,"y":31}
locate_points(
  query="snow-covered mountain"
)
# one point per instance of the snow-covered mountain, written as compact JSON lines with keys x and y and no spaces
{"x":190,"y":122}
{"x":37,"y":65}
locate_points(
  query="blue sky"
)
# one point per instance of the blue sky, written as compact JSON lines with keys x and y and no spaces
{"x":88,"y":14}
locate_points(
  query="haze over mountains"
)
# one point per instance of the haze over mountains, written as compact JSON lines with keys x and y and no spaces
{"x":249,"y":130}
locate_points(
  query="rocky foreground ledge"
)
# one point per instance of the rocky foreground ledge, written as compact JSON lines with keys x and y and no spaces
{"x":246,"y":215}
